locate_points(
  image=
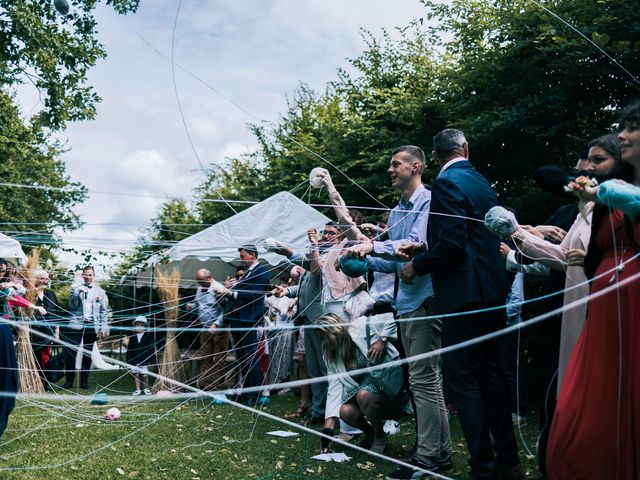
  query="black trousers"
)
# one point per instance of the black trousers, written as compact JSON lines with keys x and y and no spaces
{"x":86,"y":336}
{"x":472,"y":385}
{"x":510,"y":375}
{"x":245,"y":345}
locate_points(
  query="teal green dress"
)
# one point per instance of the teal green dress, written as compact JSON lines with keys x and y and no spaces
{"x":363,"y":380}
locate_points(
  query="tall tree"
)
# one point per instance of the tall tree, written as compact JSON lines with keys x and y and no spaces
{"x":526,"y":88}
{"x":49,"y":45}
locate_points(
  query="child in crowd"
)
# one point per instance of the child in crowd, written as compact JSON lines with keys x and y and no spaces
{"x":140,"y":351}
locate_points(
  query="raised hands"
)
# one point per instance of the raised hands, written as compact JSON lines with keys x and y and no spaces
{"x":312,"y":235}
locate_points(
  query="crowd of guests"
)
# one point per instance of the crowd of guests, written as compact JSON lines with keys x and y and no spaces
{"x":447,"y":281}
{"x":435,"y":274}
{"x":444,"y":269}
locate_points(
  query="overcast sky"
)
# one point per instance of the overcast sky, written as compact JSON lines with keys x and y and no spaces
{"x":254,"y":51}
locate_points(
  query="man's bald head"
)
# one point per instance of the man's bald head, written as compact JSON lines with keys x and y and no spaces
{"x":203,"y":277}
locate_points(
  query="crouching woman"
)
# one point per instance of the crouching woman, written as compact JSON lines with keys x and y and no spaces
{"x":370,"y":397}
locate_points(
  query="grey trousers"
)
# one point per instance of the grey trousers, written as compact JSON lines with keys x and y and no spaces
{"x":420,"y":336}
{"x":316,"y":368}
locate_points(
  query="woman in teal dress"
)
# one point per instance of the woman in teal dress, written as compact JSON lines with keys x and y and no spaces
{"x":367,"y":400}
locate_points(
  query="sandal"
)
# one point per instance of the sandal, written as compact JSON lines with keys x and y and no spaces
{"x":300,"y":412}
{"x":326,"y":444}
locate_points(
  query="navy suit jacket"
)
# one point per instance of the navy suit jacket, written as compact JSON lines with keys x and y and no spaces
{"x":142,"y":352}
{"x":250,"y":290}
{"x":463,"y":256}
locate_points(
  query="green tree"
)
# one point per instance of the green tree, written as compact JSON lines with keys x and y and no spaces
{"x":526,"y":89}
{"x":26,"y":157}
{"x":53,"y":52}
{"x":43,"y":47}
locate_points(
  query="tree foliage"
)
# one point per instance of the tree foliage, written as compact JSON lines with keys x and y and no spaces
{"x":54,"y":53}
{"x":51,"y":52}
{"x":526,"y":89}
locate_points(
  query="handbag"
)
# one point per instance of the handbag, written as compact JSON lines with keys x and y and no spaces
{"x":389,"y":380}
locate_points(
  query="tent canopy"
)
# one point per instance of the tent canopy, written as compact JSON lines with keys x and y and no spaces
{"x":10,"y":249}
{"x":283,"y":216}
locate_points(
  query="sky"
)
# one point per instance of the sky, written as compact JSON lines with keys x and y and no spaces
{"x":255,"y":52}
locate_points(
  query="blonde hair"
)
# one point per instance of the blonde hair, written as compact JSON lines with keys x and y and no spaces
{"x":336,"y":341}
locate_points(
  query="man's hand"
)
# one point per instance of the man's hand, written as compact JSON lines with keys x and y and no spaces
{"x":554,"y":233}
{"x":408,"y":273}
{"x":228,"y":283}
{"x":376,"y":351}
{"x":312,"y":235}
{"x":360,"y":251}
{"x":504,"y":249}
{"x":40,"y":310}
{"x":575,"y":257}
{"x":370,"y":230}
{"x":212,"y":328}
{"x":279,"y":291}
{"x":189,"y":306}
{"x":283,"y":250}
{"x":408,"y":250}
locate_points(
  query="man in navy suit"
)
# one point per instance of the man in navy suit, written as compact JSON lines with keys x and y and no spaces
{"x":247,"y":295}
{"x":464,"y":261}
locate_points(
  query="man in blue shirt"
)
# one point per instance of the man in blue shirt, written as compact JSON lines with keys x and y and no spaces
{"x":408,"y":223}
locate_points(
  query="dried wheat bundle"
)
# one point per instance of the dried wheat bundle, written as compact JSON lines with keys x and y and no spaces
{"x":28,"y":274}
{"x":168,"y":286}
{"x":28,"y":368}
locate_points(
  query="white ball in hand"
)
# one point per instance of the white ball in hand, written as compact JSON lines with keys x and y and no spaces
{"x":270,"y":244}
{"x":315,"y":179}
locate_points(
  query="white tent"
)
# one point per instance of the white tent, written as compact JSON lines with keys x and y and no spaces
{"x":283,"y":216}
{"x":10,"y":249}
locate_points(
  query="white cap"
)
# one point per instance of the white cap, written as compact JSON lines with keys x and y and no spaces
{"x":140,"y":319}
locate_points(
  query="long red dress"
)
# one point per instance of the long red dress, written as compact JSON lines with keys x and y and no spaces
{"x":596,"y":426}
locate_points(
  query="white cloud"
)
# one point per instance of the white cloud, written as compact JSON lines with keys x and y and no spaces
{"x":254,"y":52}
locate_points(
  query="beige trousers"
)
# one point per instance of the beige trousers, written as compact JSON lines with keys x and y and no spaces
{"x":420,"y":336}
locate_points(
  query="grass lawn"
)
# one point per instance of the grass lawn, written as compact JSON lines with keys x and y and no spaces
{"x":181,"y":440}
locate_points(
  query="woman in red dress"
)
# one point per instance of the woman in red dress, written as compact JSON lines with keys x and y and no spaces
{"x":596,"y":427}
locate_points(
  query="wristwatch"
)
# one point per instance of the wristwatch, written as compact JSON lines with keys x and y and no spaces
{"x":384,"y":339}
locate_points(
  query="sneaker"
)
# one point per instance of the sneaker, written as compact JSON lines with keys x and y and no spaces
{"x":391,"y":427}
{"x":147,"y":391}
{"x":408,"y":473}
{"x":136,"y":393}
{"x":219,"y":399}
{"x":264,"y":401}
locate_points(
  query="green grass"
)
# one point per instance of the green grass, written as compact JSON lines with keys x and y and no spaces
{"x":175,"y":440}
